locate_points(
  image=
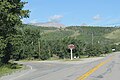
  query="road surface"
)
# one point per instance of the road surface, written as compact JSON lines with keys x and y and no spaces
{"x":107,"y":68}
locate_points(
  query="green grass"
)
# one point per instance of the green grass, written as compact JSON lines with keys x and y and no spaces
{"x":115,"y":35}
{"x":10,"y":68}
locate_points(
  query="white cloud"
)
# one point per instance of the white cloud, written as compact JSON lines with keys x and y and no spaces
{"x":55,"y":18}
{"x":97,"y":17}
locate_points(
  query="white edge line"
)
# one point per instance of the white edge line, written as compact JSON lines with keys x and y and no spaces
{"x":23,"y":73}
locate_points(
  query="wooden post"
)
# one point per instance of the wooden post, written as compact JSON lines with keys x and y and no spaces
{"x":39,"y":48}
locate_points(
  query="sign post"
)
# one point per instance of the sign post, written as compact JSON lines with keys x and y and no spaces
{"x":71,"y":54}
{"x":71,"y":47}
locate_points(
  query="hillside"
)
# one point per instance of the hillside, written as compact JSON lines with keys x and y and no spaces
{"x":83,"y":33}
{"x":96,"y":33}
{"x":115,"y":36}
{"x":56,"y":34}
{"x":102,"y":35}
{"x":47,"y":42}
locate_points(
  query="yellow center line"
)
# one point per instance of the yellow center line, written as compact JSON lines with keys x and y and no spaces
{"x":87,"y":74}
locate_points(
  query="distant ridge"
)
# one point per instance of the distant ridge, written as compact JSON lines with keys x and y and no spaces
{"x":48,"y":24}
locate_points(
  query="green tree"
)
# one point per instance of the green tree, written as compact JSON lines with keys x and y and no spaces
{"x":2,"y":47}
{"x":11,"y":13}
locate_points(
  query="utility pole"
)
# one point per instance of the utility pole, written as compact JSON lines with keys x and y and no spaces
{"x":92,"y":38}
{"x":39,"y":47}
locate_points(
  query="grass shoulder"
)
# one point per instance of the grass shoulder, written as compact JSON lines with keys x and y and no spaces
{"x":10,"y":68}
{"x":65,"y":59}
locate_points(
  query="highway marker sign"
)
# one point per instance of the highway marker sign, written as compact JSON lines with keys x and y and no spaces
{"x":71,"y":47}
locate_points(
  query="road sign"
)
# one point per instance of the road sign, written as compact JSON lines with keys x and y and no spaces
{"x":71,"y":47}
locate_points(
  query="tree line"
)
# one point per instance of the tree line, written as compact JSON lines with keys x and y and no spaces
{"x":28,"y":44}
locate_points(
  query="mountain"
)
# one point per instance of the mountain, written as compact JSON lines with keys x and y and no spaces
{"x":49,"y":24}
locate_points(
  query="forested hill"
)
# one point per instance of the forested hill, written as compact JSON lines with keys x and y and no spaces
{"x":101,"y":35}
{"x":35,"y":42}
{"x":46,"y":42}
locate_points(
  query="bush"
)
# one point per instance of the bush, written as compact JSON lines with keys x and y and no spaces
{"x":45,"y":56}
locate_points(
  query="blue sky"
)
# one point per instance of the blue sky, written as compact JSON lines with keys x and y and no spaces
{"x":74,"y":12}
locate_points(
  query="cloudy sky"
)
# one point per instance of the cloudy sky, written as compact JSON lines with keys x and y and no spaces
{"x":74,"y":12}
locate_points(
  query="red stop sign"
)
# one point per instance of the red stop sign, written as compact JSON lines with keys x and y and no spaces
{"x":71,"y":46}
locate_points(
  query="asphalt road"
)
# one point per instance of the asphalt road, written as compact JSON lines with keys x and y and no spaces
{"x":107,"y":68}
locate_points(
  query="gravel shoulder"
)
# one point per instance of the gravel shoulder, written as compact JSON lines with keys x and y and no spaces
{"x":83,"y":60}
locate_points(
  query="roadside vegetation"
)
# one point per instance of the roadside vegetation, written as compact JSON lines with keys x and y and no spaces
{"x":35,"y":43}
{"x":9,"y":68}
{"x":27,"y":42}
{"x":11,"y":13}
